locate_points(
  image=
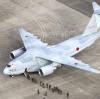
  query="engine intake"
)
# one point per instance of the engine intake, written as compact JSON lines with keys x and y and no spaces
{"x":17,"y":52}
{"x":46,"y":70}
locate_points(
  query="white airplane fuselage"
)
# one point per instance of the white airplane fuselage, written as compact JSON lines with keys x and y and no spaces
{"x":33,"y":63}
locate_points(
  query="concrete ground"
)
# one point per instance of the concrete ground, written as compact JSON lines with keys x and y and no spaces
{"x":83,"y":6}
{"x":53,"y":22}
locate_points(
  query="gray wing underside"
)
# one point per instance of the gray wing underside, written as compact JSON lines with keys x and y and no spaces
{"x":30,"y":40}
{"x":69,"y":61}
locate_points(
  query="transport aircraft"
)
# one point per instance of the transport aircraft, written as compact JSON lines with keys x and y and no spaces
{"x":45,"y":59}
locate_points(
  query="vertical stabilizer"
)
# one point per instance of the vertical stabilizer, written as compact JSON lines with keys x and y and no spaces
{"x":94,"y":23}
{"x":96,"y":7}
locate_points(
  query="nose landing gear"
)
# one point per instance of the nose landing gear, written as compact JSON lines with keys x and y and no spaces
{"x":11,"y":76}
{"x":26,"y":74}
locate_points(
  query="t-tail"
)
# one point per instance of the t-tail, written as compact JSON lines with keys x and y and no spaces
{"x":94,"y":23}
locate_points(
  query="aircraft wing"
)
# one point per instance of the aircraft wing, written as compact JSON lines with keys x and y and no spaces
{"x":70,"y":61}
{"x":30,"y":40}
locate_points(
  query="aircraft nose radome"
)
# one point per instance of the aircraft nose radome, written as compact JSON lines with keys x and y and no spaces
{"x":6,"y":71}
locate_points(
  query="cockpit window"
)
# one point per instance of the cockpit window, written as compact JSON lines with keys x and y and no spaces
{"x":8,"y":65}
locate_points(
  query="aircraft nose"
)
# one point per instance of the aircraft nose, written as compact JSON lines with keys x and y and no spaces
{"x":6,"y":71}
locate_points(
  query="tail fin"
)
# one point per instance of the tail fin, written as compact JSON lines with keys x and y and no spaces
{"x":94,"y":23}
{"x":96,"y":7}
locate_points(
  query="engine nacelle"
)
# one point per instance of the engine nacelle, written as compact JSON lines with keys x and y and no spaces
{"x":17,"y":52}
{"x":46,"y":70}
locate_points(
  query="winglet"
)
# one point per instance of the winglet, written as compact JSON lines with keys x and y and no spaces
{"x":96,"y":7}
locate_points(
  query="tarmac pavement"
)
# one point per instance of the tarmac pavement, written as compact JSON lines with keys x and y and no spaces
{"x":53,"y":22}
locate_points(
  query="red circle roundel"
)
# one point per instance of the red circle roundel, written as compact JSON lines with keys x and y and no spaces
{"x":77,"y":49}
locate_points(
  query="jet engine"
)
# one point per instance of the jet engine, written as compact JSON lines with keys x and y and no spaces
{"x":48,"y":69}
{"x":17,"y":52}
